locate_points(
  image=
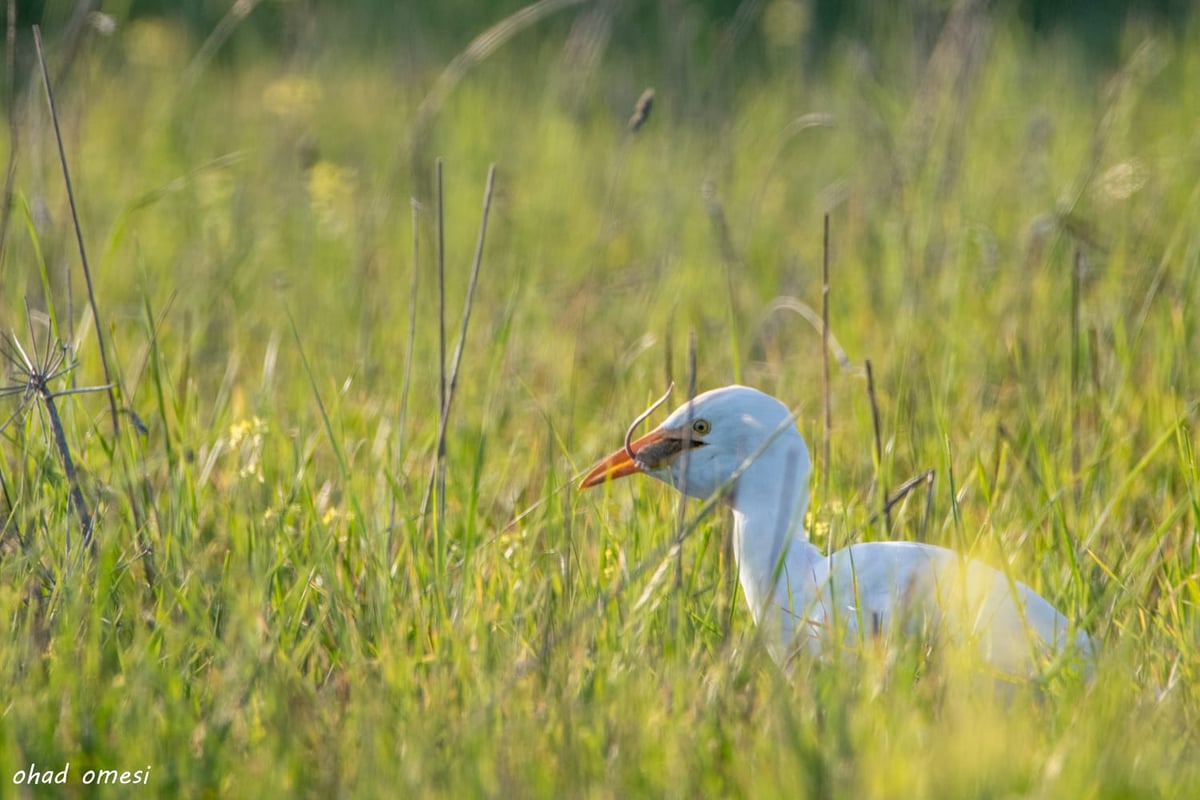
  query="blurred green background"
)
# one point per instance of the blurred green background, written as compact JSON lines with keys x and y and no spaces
{"x":1013,"y":206}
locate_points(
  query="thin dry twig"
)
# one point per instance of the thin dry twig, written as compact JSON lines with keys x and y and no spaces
{"x":474,"y":279}
{"x":931,"y":480}
{"x":87,"y":272}
{"x":887,"y":517}
{"x":927,"y":477}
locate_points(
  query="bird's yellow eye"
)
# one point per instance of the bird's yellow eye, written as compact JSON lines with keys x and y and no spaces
{"x":701,"y":426}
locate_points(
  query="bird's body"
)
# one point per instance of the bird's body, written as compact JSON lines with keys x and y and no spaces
{"x":744,"y":444}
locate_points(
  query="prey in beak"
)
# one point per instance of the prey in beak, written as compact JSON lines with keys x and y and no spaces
{"x":652,"y":452}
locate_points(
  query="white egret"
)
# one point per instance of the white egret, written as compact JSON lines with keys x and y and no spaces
{"x":744,"y":444}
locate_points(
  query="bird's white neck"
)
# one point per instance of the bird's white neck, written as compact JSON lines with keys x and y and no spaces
{"x":769,"y":540}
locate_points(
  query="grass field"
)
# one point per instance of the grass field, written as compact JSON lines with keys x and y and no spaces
{"x":1014,"y":245}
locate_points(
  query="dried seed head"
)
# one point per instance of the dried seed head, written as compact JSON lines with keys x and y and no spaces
{"x":641,"y":110}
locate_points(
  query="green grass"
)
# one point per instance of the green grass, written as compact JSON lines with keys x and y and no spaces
{"x":303,"y":631}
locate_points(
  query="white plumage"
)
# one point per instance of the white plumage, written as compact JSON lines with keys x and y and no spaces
{"x":744,"y":443}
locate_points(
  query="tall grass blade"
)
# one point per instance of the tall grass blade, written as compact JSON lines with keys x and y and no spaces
{"x":87,"y":272}
{"x":443,"y":422}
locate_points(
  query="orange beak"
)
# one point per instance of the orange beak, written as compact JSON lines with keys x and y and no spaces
{"x":652,"y":450}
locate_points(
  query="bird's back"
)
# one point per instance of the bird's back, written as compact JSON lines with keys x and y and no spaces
{"x":886,"y":589}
